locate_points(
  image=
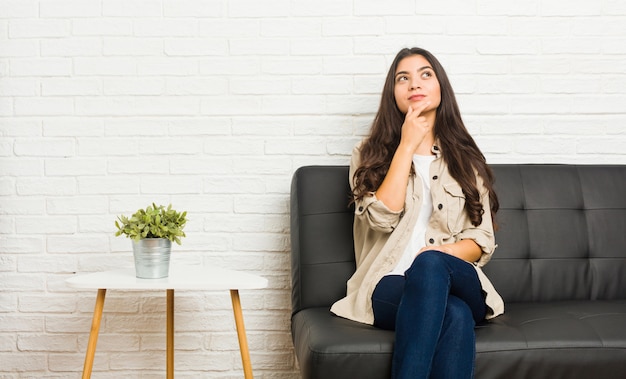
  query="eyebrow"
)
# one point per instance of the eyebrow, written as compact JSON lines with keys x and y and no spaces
{"x":418,"y":70}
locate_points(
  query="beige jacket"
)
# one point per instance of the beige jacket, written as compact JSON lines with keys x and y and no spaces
{"x":381,"y":235}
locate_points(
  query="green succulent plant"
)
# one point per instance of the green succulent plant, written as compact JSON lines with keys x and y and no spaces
{"x":153,"y":222}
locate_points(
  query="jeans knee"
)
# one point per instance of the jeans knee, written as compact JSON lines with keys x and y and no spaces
{"x":428,"y":261}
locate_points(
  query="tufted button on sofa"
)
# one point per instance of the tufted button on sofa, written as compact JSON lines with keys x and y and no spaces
{"x":560,"y":266}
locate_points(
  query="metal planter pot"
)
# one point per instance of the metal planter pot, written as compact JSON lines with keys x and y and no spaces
{"x":152,"y":257}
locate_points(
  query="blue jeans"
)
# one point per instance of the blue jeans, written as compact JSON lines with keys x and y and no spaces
{"x":433,"y":308}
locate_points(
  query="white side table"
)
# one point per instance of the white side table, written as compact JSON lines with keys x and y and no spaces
{"x":180,"y":278}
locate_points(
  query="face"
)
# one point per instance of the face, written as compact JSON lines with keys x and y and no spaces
{"x":415,"y":82}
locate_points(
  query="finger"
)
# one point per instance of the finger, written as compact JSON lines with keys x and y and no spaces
{"x":420,"y":108}
{"x":408,"y":112}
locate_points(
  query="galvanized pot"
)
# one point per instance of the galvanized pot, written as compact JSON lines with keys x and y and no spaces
{"x":152,"y":257}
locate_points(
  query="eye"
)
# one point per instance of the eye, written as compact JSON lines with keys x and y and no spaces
{"x":402,"y":78}
{"x":427,"y":74}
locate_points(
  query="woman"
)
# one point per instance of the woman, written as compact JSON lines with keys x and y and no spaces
{"x":423,"y":228}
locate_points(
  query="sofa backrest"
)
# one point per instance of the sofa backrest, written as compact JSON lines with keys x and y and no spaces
{"x":561,"y":236}
{"x":322,"y":248}
{"x":562,"y":232}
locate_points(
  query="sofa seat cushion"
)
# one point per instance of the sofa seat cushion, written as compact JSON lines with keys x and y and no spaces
{"x":332,"y":347}
{"x":569,"y":339}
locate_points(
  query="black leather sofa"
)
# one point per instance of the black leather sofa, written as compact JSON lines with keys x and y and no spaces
{"x":560,"y":266}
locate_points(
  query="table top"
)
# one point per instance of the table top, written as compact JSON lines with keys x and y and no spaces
{"x":181,"y":277}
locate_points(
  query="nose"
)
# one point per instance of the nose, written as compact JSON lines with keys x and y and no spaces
{"x":415,"y":84}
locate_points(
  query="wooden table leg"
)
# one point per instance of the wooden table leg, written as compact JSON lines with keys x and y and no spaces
{"x":170,"y":334}
{"x":241,"y":334}
{"x":93,"y":334}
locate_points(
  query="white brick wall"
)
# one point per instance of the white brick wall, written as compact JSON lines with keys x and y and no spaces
{"x":108,"y":105}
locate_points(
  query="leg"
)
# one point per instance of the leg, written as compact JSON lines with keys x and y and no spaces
{"x":241,"y":334}
{"x":456,"y":349}
{"x":93,"y":335}
{"x":385,"y":300}
{"x":170,"y":334}
{"x":422,"y":311}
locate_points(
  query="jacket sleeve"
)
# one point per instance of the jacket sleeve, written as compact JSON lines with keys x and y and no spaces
{"x":369,"y":210}
{"x":482,"y":234}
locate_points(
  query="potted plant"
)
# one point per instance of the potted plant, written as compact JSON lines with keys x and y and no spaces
{"x":152,"y":231}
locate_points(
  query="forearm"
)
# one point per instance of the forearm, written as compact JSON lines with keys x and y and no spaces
{"x":465,"y":249}
{"x":392,"y":191}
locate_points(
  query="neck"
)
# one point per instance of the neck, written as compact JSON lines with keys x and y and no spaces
{"x":425,"y":148}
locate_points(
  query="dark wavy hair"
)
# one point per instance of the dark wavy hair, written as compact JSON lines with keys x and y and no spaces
{"x":458,"y":148}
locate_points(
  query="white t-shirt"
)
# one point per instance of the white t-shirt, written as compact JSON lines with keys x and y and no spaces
{"x":422,"y":167}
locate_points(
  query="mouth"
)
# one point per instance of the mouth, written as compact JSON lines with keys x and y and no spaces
{"x":416,"y":97}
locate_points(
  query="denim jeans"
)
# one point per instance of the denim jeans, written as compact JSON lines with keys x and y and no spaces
{"x":433,"y":308}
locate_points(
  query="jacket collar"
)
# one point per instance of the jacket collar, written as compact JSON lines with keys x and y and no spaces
{"x":436,"y":149}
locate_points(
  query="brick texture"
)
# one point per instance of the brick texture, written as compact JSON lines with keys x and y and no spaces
{"x":211,"y":105}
